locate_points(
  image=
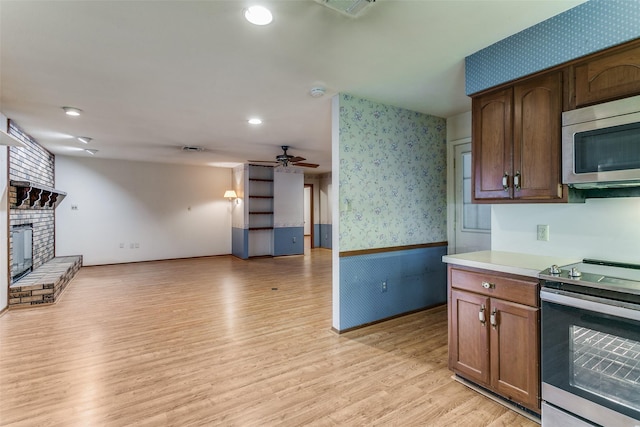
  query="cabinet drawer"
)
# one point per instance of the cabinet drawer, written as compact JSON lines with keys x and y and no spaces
{"x":521,"y":290}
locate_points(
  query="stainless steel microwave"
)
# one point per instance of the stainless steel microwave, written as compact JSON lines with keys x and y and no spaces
{"x":601,"y":145}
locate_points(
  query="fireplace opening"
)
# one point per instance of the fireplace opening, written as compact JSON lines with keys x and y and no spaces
{"x":21,"y":251}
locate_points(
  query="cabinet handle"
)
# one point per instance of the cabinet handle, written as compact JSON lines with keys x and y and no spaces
{"x":492,"y":318}
{"x":516,"y":181}
{"x":481,"y":315}
{"x":488,"y":285}
{"x":505,"y":182}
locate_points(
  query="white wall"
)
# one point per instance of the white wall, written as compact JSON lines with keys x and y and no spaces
{"x":170,"y":211}
{"x":288,"y":197}
{"x":599,"y":228}
{"x":606,"y":229}
{"x":325,"y":199}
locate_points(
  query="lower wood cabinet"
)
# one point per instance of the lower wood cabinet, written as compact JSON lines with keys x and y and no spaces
{"x":494,"y":333}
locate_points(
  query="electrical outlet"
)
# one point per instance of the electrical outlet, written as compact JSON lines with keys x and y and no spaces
{"x":384,"y":286}
{"x":543,"y":232}
{"x":294,"y":240}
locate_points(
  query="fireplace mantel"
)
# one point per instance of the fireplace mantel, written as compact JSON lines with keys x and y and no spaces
{"x":37,"y":196}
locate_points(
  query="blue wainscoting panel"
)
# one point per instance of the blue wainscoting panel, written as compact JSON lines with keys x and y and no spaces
{"x":283,"y":241}
{"x":584,"y":29}
{"x":316,"y":235}
{"x":325,"y":236}
{"x":240,"y":242}
{"x":415,"y":279}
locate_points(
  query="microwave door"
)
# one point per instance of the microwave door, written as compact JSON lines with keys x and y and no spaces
{"x":605,"y":150}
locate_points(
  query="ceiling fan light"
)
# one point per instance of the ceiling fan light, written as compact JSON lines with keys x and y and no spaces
{"x":258,"y":15}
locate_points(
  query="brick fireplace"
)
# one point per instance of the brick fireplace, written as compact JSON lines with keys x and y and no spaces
{"x":32,"y":200}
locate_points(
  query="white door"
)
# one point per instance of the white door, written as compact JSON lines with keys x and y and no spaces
{"x":472,"y":221}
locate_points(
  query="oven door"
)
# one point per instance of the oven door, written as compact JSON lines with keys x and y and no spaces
{"x":591,"y":357}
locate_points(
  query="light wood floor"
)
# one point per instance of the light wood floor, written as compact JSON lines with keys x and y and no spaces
{"x":221,"y":341}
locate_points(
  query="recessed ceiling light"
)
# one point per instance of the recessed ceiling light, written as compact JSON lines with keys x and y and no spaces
{"x":84,"y":139}
{"x":258,"y":15}
{"x":255,"y":121}
{"x":91,"y":151}
{"x":72,"y":111}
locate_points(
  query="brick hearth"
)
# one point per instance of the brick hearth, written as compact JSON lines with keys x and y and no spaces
{"x":44,"y":284}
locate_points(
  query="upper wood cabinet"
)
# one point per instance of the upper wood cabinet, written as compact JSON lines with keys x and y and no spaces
{"x":516,"y":141}
{"x":609,"y":75}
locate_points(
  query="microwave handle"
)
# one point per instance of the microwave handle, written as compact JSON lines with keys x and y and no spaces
{"x":505,"y":182}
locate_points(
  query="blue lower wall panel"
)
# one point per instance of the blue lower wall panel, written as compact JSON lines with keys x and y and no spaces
{"x":240,"y":242}
{"x":283,"y":241}
{"x":325,"y":236}
{"x":316,"y":235}
{"x":416,"y":279}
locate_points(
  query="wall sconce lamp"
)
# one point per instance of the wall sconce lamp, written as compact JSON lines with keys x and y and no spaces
{"x":230,"y":194}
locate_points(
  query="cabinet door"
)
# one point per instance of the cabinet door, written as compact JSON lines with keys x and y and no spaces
{"x":515,"y":370}
{"x":537,"y":105}
{"x":468,"y":336}
{"x":609,"y":76}
{"x":491,"y":145}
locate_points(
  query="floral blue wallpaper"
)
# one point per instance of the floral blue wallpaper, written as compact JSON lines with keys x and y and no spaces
{"x":392,"y":180}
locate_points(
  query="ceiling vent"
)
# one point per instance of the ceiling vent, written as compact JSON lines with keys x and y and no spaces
{"x":189,"y":149}
{"x":352,"y":8}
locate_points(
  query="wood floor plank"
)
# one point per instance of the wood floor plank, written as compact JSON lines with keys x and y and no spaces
{"x":225,"y":342}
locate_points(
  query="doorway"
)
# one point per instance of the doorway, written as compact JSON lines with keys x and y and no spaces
{"x":472,"y":222}
{"x":308,"y":218}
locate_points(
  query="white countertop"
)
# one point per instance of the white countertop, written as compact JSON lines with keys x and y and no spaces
{"x":508,"y":262}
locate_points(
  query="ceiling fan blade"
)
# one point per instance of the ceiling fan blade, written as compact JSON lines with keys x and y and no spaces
{"x":263,"y":161}
{"x":306,"y":165}
{"x":296,"y":159}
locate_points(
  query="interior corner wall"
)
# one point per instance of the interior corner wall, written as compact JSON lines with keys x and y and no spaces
{"x":239,"y":217}
{"x":314,"y":180}
{"x":391,"y":193}
{"x":121,"y":211}
{"x":326,"y":207}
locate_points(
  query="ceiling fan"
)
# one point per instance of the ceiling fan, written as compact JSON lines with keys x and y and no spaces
{"x":285,"y":160}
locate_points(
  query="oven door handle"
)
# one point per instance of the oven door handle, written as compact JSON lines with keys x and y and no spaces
{"x":595,"y":304}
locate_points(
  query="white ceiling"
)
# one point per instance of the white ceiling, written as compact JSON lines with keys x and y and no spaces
{"x":153,"y":76}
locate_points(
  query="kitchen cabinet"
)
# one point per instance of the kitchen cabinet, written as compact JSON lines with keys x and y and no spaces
{"x":516,"y":148}
{"x":494,"y":332}
{"x":610,"y":75}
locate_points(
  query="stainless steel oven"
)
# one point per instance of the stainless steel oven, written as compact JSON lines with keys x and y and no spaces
{"x":591,"y":345}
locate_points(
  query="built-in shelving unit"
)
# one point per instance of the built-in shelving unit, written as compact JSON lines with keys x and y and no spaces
{"x":260,"y":210}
